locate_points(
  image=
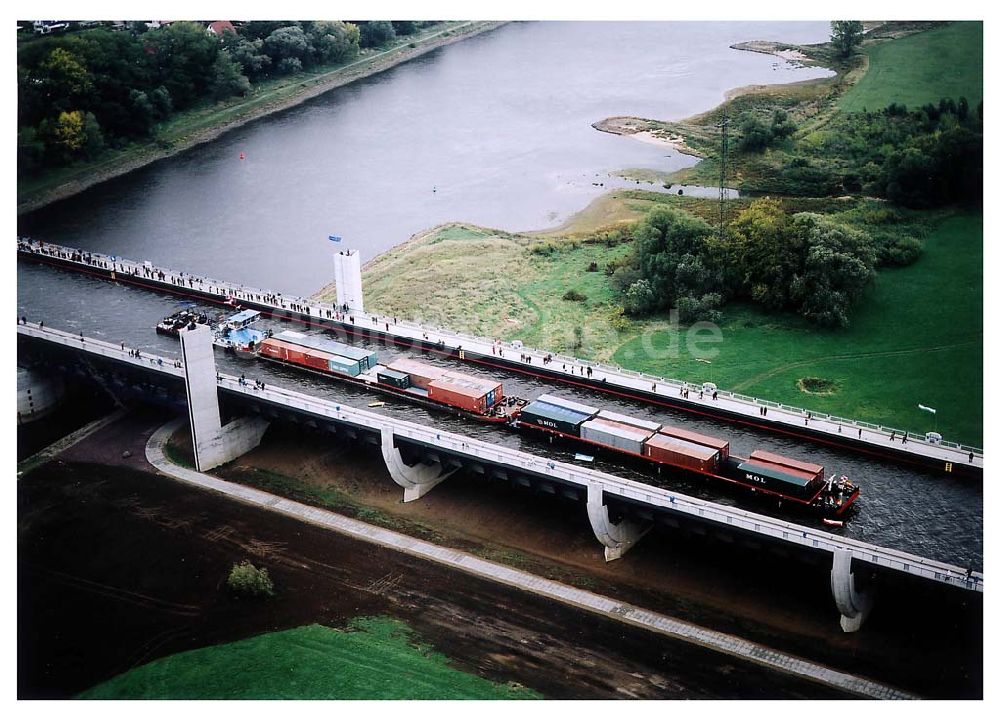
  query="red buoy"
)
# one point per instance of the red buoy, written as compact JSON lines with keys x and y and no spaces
{"x":242,"y":156}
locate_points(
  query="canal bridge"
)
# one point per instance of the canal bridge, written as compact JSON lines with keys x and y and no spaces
{"x":347,"y":318}
{"x":419,"y":456}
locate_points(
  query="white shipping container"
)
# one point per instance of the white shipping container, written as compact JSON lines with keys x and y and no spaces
{"x":629,"y":420}
{"x":624,"y":438}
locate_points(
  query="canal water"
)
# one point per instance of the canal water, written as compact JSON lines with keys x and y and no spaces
{"x":929,"y":514}
{"x":495,"y":130}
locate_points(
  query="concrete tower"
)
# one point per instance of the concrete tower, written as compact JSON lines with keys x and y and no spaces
{"x":347,"y":275}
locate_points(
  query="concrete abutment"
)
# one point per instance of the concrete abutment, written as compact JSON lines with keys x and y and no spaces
{"x":618,"y":537}
{"x":854,"y":605}
{"x":213,"y":443}
{"x":416,"y":480}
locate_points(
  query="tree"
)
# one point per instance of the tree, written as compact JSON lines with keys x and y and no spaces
{"x":639,"y":298}
{"x":288,"y":42}
{"x":68,"y":134}
{"x":781,"y":125}
{"x":755,"y":136}
{"x":376,"y":32}
{"x":335,"y":41}
{"x":839,"y":264}
{"x":404,"y":27}
{"x":227,"y":80}
{"x":763,"y":251}
{"x":667,"y":242}
{"x":846,"y":35}
{"x":252,"y":58}
{"x":247,"y":579}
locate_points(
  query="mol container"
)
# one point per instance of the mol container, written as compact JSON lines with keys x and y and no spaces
{"x":615,"y":435}
{"x":788,"y":465}
{"x":552,"y":418}
{"x":465,"y":392}
{"x":691,"y":437}
{"x":675,"y":452}
{"x":773,"y":477}
{"x":570,"y":405}
{"x":421,"y":374}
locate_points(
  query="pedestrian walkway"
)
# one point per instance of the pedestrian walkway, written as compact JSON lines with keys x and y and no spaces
{"x":519,"y":579}
{"x":691,"y":397}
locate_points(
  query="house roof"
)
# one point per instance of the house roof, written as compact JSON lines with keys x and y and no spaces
{"x":220,"y":26}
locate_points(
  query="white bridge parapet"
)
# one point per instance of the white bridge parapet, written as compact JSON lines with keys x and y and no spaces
{"x":347,"y":269}
{"x":610,"y":485}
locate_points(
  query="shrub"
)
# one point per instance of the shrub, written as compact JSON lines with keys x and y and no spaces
{"x":639,"y":298}
{"x":247,"y":579}
{"x":592,"y":266}
{"x":574,"y":295}
{"x":901,"y":251}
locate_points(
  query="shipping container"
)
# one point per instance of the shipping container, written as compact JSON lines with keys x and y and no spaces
{"x":393,"y":378}
{"x":563,"y":403}
{"x":552,"y":417}
{"x":365,"y":358}
{"x":770,"y":476}
{"x":493,"y":390}
{"x":615,"y":435}
{"x":629,"y":420}
{"x":453,"y":393}
{"x":420,"y":373}
{"x":691,"y":437}
{"x":665,"y":449}
{"x":801,"y":467}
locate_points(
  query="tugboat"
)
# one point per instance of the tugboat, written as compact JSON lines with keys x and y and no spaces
{"x":173,"y":324}
{"x":236,"y":336}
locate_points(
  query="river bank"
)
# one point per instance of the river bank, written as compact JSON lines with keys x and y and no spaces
{"x":199,"y":126}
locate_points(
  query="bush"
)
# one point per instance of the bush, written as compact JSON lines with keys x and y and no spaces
{"x":574,"y":295}
{"x":639,"y":298}
{"x":592,"y":266}
{"x":901,"y":251}
{"x":247,"y":579}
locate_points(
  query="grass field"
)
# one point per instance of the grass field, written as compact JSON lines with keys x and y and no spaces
{"x":919,"y":328}
{"x":375,"y":658}
{"x":921,"y":68}
{"x":918,"y":338}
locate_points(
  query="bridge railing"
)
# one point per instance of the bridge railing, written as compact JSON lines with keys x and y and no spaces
{"x":622,"y":487}
{"x":881,"y":431}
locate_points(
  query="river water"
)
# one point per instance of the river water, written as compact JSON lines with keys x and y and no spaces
{"x":499,"y":126}
{"x":494,"y":130}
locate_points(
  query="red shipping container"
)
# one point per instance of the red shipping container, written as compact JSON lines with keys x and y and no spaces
{"x":664,"y":449}
{"x":791,"y":465}
{"x":452,"y":394}
{"x":421,"y":374}
{"x":702,"y":440}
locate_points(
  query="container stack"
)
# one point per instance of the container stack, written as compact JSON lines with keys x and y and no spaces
{"x":318,"y":353}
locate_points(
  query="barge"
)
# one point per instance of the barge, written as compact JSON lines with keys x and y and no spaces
{"x":415,"y":381}
{"x":785,"y":481}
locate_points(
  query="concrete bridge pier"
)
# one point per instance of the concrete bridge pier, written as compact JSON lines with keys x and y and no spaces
{"x":616,"y":538}
{"x":416,"y":480}
{"x":214,"y":444}
{"x":854,"y":605}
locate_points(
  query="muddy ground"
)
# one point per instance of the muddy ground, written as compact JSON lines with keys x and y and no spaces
{"x":117,"y":566}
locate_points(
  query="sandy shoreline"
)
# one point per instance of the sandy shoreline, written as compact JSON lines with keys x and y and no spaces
{"x":644,"y":130}
{"x":153,"y":154}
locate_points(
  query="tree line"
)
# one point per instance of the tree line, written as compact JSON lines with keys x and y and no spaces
{"x":81,"y":92}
